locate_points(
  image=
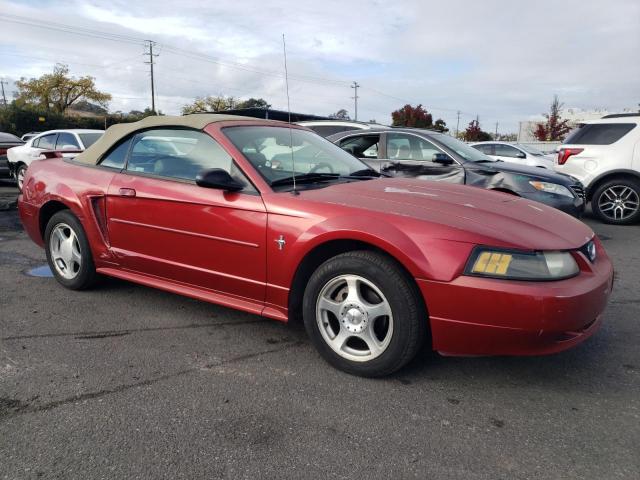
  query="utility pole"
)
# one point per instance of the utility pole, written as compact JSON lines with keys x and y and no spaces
{"x":355,"y":97}
{"x":4,"y":98}
{"x":496,"y":137}
{"x":458,"y":124}
{"x":151,"y":63}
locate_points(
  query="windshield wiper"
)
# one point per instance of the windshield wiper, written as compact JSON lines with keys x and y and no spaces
{"x":305,"y":178}
{"x":486,"y":161}
{"x":364,"y":173}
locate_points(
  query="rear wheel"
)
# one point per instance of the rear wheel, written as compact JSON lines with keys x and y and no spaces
{"x":68,"y":251}
{"x":617,"y":201}
{"x":20,"y":172}
{"x":364,"y":314}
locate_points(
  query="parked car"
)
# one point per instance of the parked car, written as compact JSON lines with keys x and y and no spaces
{"x":324,"y":128}
{"x":375,"y":266}
{"x":605,"y":155}
{"x":28,"y":136}
{"x":429,"y":155}
{"x":73,"y":140}
{"x":7,"y":140}
{"x":516,"y":153}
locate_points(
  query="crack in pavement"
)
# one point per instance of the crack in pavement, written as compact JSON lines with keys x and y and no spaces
{"x":120,"y":333}
{"x":17,"y":407}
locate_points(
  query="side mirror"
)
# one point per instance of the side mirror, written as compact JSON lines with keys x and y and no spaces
{"x":521,"y":155}
{"x":442,"y":159}
{"x":219,"y":179}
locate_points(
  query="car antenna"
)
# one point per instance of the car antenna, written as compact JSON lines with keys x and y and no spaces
{"x":286,"y":82}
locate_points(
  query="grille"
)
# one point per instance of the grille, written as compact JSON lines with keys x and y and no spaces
{"x":578,"y":190}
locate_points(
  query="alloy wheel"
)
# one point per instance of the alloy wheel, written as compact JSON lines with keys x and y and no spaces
{"x":619,"y":202}
{"x":65,"y":251}
{"x":354,"y":318}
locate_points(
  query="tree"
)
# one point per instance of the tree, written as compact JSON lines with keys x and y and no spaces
{"x":474,"y":133}
{"x":57,"y":91}
{"x":253,"y":103}
{"x":341,"y":114}
{"x":211,"y":104}
{"x":409,"y":116}
{"x":555,"y":129}
{"x":440,"y":125}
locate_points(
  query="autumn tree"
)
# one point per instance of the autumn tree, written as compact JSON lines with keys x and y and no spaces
{"x":474,"y":133}
{"x":409,"y":116}
{"x":341,"y":114}
{"x":58,"y":91}
{"x":554,"y":129}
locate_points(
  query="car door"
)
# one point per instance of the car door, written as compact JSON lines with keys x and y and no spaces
{"x":507,"y":153}
{"x":366,"y":147}
{"x":160,"y":223}
{"x":413,"y":156}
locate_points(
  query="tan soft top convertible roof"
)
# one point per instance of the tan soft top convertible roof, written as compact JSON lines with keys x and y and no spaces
{"x":116,"y":132}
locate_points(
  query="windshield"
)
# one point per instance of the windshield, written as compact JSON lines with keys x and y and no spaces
{"x":468,"y":153}
{"x":533,"y":151}
{"x":278,"y":152}
{"x":89,"y":139}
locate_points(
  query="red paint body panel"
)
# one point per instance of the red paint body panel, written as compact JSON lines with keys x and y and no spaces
{"x":220,"y":247}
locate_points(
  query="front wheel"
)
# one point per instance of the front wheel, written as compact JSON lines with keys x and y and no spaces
{"x":68,"y":251}
{"x":364,"y":314}
{"x":617,"y":201}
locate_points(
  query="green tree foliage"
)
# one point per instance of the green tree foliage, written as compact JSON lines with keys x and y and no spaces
{"x":440,"y":126}
{"x":554,"y":129}
{"x":409,"y":116}
{"x":220,"y":103}
{"x":341,"y":114}
{"x":57,"y":91}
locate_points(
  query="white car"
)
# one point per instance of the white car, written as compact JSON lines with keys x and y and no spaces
{"x":605,"y":156}
{"x":21,"y":157}
{"x":516,"y":153}
{"x":325,"y":128}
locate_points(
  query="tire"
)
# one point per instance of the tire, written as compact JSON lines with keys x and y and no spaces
{"x":617,"y":201}
{"x":380,"y":321}
{"x":68,"y":252}
{"x":20,"y":171}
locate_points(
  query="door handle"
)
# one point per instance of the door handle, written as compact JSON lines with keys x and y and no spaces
{"x":127,"y":192}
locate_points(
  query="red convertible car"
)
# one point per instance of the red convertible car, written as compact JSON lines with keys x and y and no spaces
{"x":277,"y":221}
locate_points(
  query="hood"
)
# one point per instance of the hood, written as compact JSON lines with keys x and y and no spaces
{"x":536,"y":173}
{"x":460,"y":212}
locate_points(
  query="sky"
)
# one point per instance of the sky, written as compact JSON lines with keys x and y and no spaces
{"x":500,"y":60}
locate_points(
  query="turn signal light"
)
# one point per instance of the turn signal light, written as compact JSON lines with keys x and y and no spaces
{"x":496,"y":263}
{"x":565,"y":153}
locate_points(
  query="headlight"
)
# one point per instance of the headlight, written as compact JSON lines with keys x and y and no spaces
{"x":551,"y":188}
{"x":517,"y":265}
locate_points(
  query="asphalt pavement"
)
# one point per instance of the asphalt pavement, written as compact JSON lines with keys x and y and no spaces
{"x":124,"y":381}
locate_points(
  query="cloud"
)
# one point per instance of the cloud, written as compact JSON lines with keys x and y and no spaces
{"x":501,"y":60}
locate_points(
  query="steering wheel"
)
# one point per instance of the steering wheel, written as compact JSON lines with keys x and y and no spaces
{"x":322,"y":165}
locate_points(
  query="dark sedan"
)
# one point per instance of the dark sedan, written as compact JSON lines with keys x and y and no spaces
{"x":7,"y":141}
{"x":428,"y":155}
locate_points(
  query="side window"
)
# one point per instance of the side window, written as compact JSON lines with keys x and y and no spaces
{"x":365,"y":146}
{"x":48,"y":142}
{"x":67,"y":140}
{"x":487,"y":149}
{"x":410,"y":147}
{"x":507,"y":151}
{"x":117,"y":156}
{"x":599,"y":133}
{"x":180,"y":154}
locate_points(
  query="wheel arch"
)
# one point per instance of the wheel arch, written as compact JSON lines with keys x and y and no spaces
{"x":323,"y":252}
{"x":48,"y":210}
{"x":605,"y":177}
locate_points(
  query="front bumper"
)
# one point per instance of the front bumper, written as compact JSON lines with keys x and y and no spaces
{"x":481,"y":316}
{"x":574,"y":206}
